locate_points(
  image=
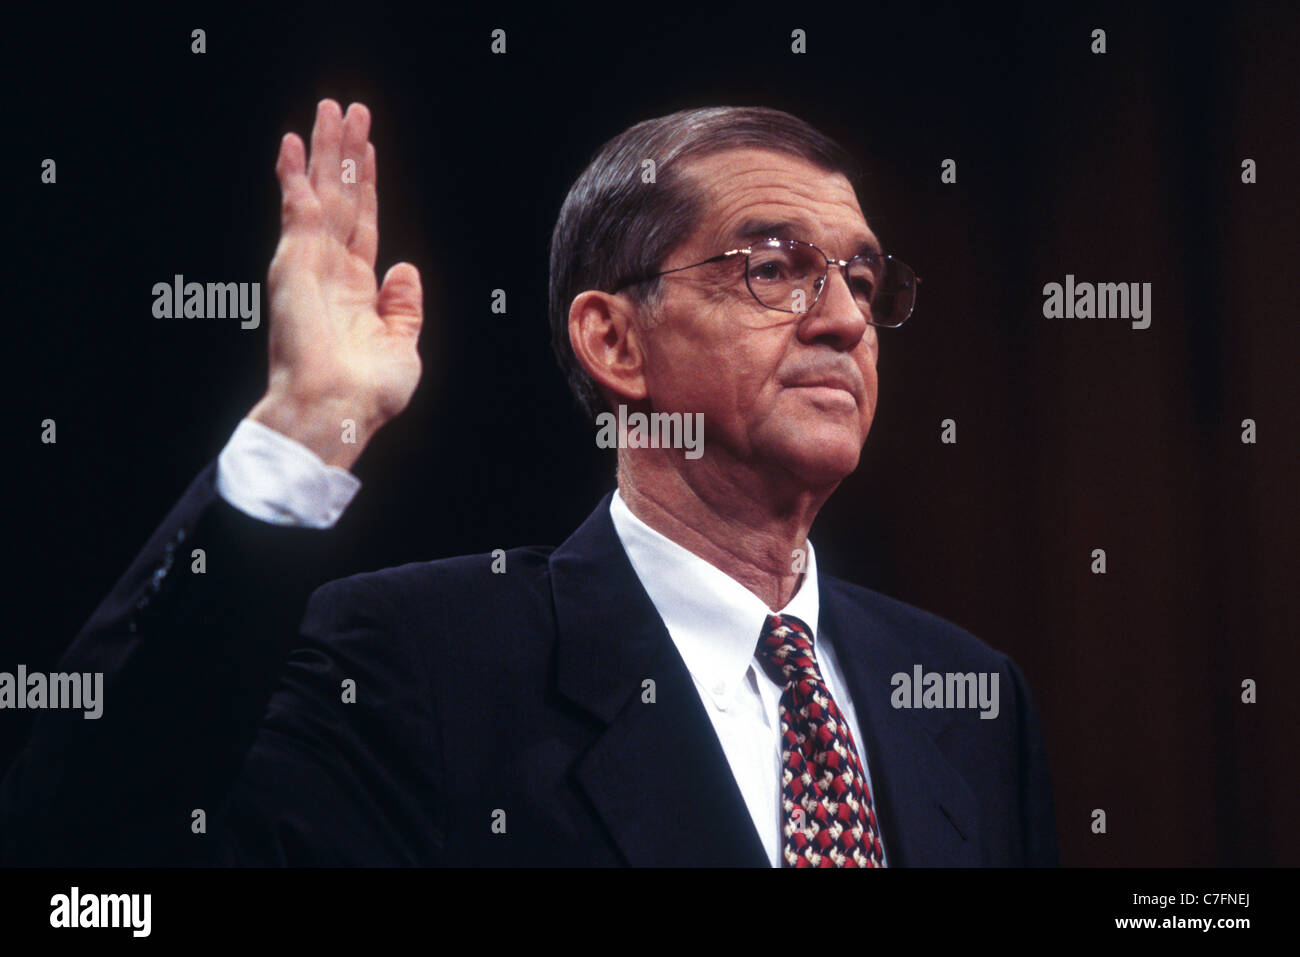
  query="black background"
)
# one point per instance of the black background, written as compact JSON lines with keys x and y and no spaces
{"x":1072,"y":434}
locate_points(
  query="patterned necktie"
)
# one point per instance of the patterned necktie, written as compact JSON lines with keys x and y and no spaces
{"x":829,"y":820}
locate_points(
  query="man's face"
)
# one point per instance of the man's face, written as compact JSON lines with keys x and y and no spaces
{"x":788,"y":396}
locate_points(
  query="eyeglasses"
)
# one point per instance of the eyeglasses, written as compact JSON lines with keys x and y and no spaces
{"x":789,"y":276}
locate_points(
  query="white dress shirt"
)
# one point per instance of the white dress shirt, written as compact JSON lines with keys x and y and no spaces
{"x":714,"y":621}
{"x":268,"y":475}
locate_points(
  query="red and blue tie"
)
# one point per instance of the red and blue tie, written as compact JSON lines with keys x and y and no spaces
{"x":829,"y":820}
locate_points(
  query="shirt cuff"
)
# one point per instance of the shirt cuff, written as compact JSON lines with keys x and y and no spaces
{"x":270,"y":477}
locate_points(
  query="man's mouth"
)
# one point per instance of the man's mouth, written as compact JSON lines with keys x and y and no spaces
{"x":829,"y":387}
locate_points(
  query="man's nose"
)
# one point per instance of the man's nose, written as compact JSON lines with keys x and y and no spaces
{"x":836,"y":317}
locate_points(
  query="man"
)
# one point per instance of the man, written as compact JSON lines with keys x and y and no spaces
{"x":678,"y":683}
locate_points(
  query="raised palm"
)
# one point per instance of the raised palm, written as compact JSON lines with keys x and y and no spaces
{"x":342,"y":346}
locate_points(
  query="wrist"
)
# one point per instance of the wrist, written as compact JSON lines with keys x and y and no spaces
{"x":336,"y":431}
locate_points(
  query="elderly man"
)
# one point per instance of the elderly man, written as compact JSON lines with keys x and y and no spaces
{"x":677,"y":683}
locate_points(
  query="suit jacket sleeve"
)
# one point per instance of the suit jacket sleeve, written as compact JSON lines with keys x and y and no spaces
{"x":213,"y":702}
{"x":1037,"y":809}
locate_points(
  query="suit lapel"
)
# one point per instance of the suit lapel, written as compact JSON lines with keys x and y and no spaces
{"x":927,"y":813}
{"x":656,"y":774}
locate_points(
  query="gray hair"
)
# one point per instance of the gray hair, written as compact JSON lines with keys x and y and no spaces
{"x":613,"y":229}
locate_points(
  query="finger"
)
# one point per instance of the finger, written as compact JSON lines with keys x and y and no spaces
{"x":401,"y":299}
{"x":324,"y":170}
{"x":352,"y":155}
{"x":298,"y":205}
{"x":356,"y":132}
{"x":365,"y":232}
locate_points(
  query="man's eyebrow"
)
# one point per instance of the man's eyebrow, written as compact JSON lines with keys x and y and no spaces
{"x":868,"y":246}
{"x":753,"y":229}
{"x":766,"y":229}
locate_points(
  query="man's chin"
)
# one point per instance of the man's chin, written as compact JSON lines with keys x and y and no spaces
{"x":823,"y":457}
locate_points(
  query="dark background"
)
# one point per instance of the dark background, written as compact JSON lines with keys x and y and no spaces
{"x":1072,"y":434}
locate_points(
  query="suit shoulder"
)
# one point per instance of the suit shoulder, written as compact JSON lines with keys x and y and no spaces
{"x":470,"y":579}
{"x":925,"y":631}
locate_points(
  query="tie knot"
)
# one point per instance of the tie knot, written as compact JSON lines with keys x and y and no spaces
{"x":785,"y":649}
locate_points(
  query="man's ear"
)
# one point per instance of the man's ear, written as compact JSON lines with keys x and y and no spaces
{"x":609,"y":342}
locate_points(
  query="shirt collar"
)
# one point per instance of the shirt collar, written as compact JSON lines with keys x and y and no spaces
{"x":714,"y":621}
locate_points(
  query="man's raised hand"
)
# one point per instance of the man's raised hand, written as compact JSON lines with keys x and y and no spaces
{"x":341,"y":347}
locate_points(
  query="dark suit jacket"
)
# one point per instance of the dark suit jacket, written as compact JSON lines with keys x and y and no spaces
{"x":498,"y":718}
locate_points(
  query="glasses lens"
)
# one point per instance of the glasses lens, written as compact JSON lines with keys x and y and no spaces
{"x":785,"y":275}
{"x":883,"y":287}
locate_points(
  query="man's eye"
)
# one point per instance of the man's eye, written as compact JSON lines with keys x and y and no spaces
{"x":863,"y":289}
{"x":771,"y":271}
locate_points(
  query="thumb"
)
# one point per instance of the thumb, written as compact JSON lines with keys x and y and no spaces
{"x":401,"y":297}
